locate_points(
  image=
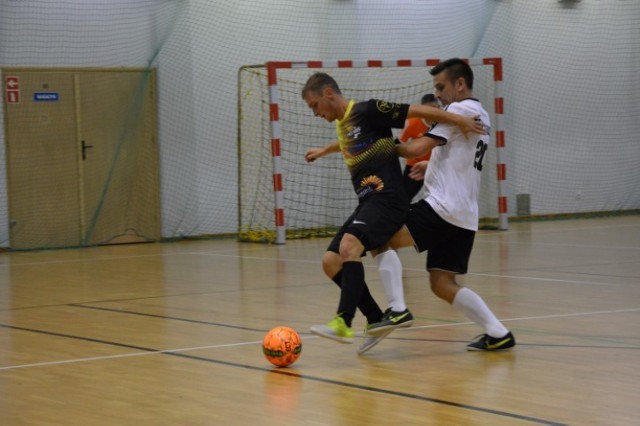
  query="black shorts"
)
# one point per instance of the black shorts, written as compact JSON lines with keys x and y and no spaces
{"x":449,"y":246}
{"x":373,"y":222}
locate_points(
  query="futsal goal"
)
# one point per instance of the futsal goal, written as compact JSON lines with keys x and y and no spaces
{"x":282,"y":197}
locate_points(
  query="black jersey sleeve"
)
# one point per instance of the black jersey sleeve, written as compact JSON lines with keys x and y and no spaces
{"x":388,"y":114}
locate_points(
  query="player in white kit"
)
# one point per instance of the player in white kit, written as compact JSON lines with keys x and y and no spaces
{"x":445,"y":221}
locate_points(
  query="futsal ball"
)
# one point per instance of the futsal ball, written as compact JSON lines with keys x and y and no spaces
{"x":282,"y":346}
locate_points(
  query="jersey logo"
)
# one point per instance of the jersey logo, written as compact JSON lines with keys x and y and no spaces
{"x":354,"y":132}
{"x":384,"y":106}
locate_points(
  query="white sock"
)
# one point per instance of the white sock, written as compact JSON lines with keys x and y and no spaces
{"x":474,"y":308}
{"x":390,"y":269}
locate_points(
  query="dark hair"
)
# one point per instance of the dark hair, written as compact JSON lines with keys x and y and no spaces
{"x":318,"y":81}
{"x":429,"y":98}
{"x":455,"y":68}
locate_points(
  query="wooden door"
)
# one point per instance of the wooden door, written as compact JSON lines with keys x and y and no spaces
{"x":82,"y":158}
{"x":119,"y":186}
{"x":42,"y":163}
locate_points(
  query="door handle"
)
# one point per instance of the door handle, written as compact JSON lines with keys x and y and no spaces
{"x":84,"y":150}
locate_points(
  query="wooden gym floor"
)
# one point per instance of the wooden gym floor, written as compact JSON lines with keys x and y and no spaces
{"x":170,"y":334}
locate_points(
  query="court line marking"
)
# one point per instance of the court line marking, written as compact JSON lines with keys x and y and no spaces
{"x":149,"y":351}
{"x":542,"y":243}
{"x":520,"y":277}
{"x":178,"y":353}
{"x":574,"y":314}
{"x":246,"y":343}
{"x":599,"y":283}
{"x":561,"y":229}
{"x":480,"y":237}
{"x":530,"y":278}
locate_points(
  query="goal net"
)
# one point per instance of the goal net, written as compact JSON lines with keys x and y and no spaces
{"x":283,"y":197}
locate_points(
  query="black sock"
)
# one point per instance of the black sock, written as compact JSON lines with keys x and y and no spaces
{"x":351,"y":290}
{"x":367,"y":304}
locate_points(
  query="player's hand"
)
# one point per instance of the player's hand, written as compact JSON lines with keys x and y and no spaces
{"x":313,"y":154}
{"x":418,"y":170}
{"x":471,"y":125}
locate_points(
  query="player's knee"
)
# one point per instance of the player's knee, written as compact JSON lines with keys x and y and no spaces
{"x":435,"y":285}
{"x":350,"y":248}
{"x":331,"y":263}
{"x":442,"y":285}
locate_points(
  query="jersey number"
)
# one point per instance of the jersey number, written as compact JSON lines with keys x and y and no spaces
{"x":481,"y":148}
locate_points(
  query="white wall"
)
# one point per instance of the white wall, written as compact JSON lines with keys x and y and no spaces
{"x":571,"y":81}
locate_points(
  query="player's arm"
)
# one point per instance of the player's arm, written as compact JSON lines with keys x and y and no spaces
{"x":418,"y":170}
{"x":417,"y":147}
{"x":411,"y":129}
{"x":465,"y":123}
{"x":314,"y":153}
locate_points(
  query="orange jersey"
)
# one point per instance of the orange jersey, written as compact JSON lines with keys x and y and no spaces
{"x":414,"y":128}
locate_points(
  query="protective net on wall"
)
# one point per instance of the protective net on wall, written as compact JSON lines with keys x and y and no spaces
{"x":570,"y":116}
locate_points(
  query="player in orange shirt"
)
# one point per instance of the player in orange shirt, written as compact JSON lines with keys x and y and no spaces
{"x":415,"y":128}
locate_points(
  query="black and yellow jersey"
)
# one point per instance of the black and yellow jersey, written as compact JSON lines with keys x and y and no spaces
{"x":367,"y":145}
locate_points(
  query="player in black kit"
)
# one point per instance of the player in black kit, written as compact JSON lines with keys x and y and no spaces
{"x":365,"y":139}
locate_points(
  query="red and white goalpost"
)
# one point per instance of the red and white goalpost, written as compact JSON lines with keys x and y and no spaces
{"x":292,"y":129}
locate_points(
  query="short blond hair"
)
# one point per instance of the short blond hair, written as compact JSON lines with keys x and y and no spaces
{"x":317,"y":82}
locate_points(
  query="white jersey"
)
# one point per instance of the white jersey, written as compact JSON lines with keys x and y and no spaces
{"x":452,"y":180}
